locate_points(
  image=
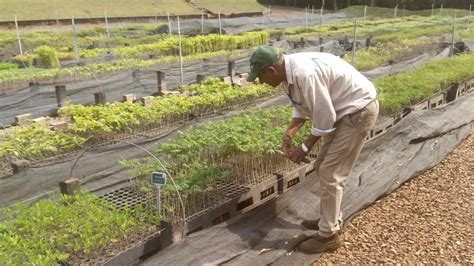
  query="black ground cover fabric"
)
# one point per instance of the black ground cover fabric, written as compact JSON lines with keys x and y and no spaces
{"x":417,"y":143}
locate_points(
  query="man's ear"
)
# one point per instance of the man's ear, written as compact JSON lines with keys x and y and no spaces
{"x":272,"y":69}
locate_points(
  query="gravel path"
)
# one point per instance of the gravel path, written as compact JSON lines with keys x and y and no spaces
{"x":429,"y":219}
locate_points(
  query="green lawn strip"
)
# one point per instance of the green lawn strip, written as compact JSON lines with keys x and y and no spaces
{"x":70,"y":230}
{"x":229,"y":6}
{"x":411,"y":87}
{"x":65,"y":9}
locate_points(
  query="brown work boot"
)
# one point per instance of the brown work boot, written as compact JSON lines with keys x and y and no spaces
{"x":311,"y":224}
{"x":318,"y":244}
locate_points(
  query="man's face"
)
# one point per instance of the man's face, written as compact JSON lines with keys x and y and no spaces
{"x":269,"y":76}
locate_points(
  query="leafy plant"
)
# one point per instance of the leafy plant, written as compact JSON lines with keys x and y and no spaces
{"x":35,"y":141}
{"x":73,"y":229}
{"x":47,"y":57}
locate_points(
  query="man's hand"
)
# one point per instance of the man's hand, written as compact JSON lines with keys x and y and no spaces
{"x":298,"y":156}
{"x":286,"y":146}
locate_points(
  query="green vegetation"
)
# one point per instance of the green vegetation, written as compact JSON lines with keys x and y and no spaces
{"x":20,"y":74}
{"x":97,"y":122}
{"x":194,"y":48}
{"x":52,"y":9}
{"x":383,"y":52}
{"x":382,"y":12}
{"x":35,"y":141}
{"x":242,"y":149}
{"x":75,"y":228}
{"x":411,"y":87}
{"x":47,"y":57}
{"x":207,"y":97}
{"x":230,"y":6}
{"x":190,"y":45}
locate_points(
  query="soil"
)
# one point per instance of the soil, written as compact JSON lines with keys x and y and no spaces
{"x":427,"y":220}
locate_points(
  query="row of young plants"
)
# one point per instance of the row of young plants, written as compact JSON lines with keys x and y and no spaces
{"x":165,"y":47}
{"x":72,"y":230}
{"x":392,"y":47}
{"x":89,"y":38}
{"x":90,"y":123}
{"x":14,"y":74}
{"x":190,"y":45}
{"x":411,"y":87}
{"x":242,"y":150}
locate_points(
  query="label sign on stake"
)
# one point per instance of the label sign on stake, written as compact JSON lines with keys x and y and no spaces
{"x":158,"y":179}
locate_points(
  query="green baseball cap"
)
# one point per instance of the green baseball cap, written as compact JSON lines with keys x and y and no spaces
{"x":263,"y":57}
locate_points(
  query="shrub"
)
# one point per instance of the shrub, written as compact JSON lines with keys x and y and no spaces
{"x":25,"y":60}
{"x":48,"y":57}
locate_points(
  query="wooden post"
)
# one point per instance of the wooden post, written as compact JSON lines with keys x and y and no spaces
{"x":231,"y":68}
{"x":61,"y":95}
{"x":69,"y":186}
{"x":200,"y":78}
{"x":368,"y":42}
{"x":99,"y":98}
{"x":18,"y":36}
{"x":160,"y":77}
{"x":20,"y":165}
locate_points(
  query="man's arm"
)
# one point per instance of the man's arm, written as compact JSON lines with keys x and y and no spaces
{"x":295,"y":125}
{"x":298,"y":155}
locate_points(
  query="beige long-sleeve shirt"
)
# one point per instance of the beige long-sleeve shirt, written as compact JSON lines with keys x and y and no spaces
{"x":324,"y":88}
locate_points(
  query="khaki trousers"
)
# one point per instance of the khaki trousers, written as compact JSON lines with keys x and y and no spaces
{"x":337,"y":155}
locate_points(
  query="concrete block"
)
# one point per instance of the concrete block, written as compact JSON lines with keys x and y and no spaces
{"x":129,"y":98}
{"x":23,"y":119}
{"x":41,"y":120}
{"x":171,"y":93}
{"x":227,"y":80}
{"x":59,"y":125}
{"x":146,"y":101}
{"x":69,"y":186}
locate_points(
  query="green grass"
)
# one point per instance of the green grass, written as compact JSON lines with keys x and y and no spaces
{"x":230,"y":6}
{"x":47,"y":9}
{"x":52,"y":9}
